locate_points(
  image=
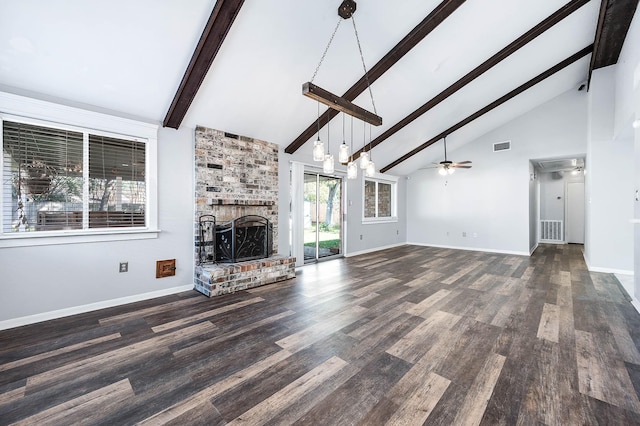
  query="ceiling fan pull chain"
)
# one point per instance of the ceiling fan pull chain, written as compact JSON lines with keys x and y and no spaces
{"x":326,"y":49}
{"x":366,"y":74}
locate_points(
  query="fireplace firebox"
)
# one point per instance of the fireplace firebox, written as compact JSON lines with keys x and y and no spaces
{"x":245,"y":238}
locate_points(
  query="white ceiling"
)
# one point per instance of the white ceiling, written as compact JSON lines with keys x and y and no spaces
{"x":129,"y":56}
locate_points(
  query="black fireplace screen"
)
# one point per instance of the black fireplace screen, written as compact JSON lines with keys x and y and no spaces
{"x":245,"y":238}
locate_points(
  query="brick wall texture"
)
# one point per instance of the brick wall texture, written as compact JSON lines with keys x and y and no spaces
{"x":235,"y":176}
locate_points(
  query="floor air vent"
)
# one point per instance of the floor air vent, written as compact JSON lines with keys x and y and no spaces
{"x":502,"y":146}
{"x":551,"y":231}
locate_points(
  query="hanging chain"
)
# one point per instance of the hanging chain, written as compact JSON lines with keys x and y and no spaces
{"x":326,"y":50}
{"x":366,"y":74}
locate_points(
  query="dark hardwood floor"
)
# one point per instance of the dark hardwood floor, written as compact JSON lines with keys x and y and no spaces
{"x":411,"y":335}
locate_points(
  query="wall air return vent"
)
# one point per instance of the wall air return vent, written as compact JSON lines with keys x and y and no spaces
{"x":502,"y":146}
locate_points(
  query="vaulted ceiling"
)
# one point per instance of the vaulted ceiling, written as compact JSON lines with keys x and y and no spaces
{"x":459,"y":67}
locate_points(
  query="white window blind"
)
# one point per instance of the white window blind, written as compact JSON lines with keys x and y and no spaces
{"x":49,"y":183}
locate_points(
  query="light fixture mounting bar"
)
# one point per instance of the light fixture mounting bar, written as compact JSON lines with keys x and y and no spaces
{"x":338,"y":103}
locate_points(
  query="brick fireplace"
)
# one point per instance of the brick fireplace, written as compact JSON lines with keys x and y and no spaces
{"x":236,"y":176}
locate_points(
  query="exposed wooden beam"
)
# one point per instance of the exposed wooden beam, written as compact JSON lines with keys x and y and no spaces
{"x":435,"y":18}
{"x":222,"y":17}
{"x":614,"y":21}
{"x":521,"y":41}
{"x":340,"y":104}
{"x":548,"y":73}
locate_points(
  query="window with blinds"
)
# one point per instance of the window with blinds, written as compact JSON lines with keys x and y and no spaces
{"x":56,"y":179}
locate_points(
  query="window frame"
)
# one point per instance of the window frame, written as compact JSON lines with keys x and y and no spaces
{"x":25,"y":110}
{"x":378,"y":179}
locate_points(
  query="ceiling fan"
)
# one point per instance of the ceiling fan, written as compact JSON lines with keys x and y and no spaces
{"x":447,"y":167}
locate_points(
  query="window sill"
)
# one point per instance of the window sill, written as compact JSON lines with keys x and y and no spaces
{"x":74,"y":237}
{"x":375,"y":221}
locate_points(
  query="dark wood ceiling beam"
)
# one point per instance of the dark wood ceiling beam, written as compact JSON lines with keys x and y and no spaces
{"x":548,"y":73}
{"x":341,"y":104}
{"x":614,"y":21}
{"x":521,"y":41}
{"x":222,"y":17}
{"x":435,"y":18}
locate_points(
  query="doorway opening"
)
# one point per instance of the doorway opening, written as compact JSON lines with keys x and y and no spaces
{"x":561,"y":200}
{"x":322,"y":217}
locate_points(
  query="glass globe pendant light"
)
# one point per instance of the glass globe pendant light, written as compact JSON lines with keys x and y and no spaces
{"x":328,"y":164}
{"x":352,"y":167}
{"x":318,"y":146}
{"x":343,"y":153}
{"x":371,"y":167}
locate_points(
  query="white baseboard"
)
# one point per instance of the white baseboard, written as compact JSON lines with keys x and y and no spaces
{"x":45,"y":316}
{"x":636,"y":304}
{"x":592,"y":268}
{"x":357,"y":253}
{"x":485,"y":250}
{"x":609,"y":270}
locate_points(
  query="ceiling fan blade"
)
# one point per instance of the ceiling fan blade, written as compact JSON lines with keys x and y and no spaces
{"x":456,"y":166}
{"x":427,"y":168}
{"x":463,"y":162}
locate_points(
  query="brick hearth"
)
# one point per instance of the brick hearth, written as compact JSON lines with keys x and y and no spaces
{"x":224,"y":278}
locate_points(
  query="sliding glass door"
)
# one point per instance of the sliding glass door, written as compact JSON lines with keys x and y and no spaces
{"x":322,"y":216}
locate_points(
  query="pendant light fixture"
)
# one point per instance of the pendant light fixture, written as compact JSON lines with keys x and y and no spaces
{"x":371,"y":167}
{"x":328,"y":164}
{"x":352,"y":167}
{"x":345,"y":11}
{"x":343,"y":153}
{"x":318,"y":146}
{"x":364,"y":155}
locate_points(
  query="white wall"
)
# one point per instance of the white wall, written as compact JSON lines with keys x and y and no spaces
{"x":491,"y":200}
{"x":609,"y":182}
{"x":627,"y":109}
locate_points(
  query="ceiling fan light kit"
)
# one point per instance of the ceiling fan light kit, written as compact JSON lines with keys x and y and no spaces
{"x":447,"y":167}
{"x":338,"y":103}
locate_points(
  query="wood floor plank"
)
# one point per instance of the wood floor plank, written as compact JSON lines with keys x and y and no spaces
{"x":205,"y":315}
{"x":63,"y":350}
{"x":210,"y":392}
{"x":603,"y":378}
{"x":462,"y":272}
{"x":127,"y":354}
{"x":12,"y":395}
{"x":138,"y":313}
{"x":84,"y":409}
{"x":414,"y":344}
{"x":420,"y":308}
{"x":271,"y":407}
{"x":549,"y":327}
{"x":210,"y":344}
{"x":309,"y":335}
{"x":349,"y":403}
{"x":472,"y":410}
{"x":419,"y":404}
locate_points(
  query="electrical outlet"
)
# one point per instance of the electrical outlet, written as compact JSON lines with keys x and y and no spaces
{"x":464,"y":234}
{"x":124,"y":266}
{"x":360,"y":236}
{"x":165,"y":268}
{"x":397,"y":232}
